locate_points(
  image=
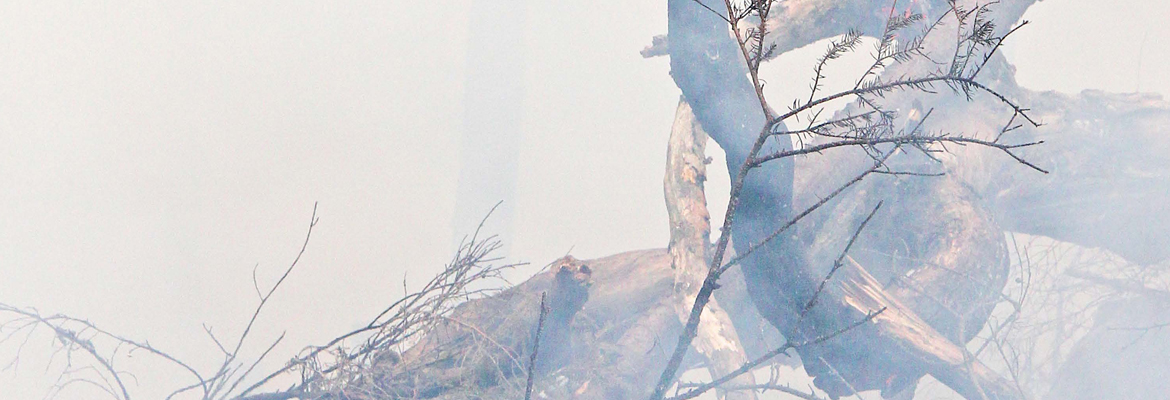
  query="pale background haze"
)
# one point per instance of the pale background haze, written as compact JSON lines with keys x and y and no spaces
{"x":152,"y":153}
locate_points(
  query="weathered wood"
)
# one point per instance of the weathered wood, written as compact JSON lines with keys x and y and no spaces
{"x":686,"y":205}
{"x":1105,"y":151}
{"x":933,"y":248}
{"x":782,"y":276}
{"x":620,"y":337}
{"x":485,"y":344}
{"x":934,"y":260}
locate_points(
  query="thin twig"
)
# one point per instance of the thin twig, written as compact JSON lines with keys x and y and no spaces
{"x":955,"y":79}
{"x":403,"y":320}
{"x":762,"y":387}
{"x":809,"y":210}
{"x":840,"y":261}
{"x":789,"y":345}
{"x":535,"y":348}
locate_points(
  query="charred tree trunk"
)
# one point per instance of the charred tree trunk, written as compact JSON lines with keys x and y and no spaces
{"x":899,"y":346}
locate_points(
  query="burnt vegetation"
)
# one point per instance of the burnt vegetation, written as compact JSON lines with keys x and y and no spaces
{"x":924,"y":221}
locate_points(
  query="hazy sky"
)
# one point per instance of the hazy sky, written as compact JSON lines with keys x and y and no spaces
{"x":152,"y":153}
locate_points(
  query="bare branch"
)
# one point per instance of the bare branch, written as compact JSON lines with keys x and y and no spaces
{"x":866,"y":136}
{"x":840,"y":261}
{"x":405,"y":319}
{"x":762,"y":387}
{"x":535,"y":348}
{"x":904,"y":140}
{"x":789,"y":345}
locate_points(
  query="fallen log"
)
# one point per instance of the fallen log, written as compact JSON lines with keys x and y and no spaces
{"x":933,"y":264}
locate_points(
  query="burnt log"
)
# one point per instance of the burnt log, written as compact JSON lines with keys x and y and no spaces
{"x":782,"y":276}
{"x":483,"y":345}
{"x":934,"y":259}
{"x":611,"y":348}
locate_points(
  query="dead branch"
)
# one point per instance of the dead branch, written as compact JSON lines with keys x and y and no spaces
{"x":716,"y":338}
{"x":761,"y":387}
{"x":748,"y":367}
{"x":957,"y":77}
{"x":78,"y":334}
{"x":535,"y":348}
{"x":401,"y":324}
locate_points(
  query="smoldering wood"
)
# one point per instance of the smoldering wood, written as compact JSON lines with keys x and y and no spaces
{"x":620,"y":338}
{"x":486,"y":344}
{"x":779,"y":278}
{"x":619,"y":334}
{"x":1085,"y":137}
{"x":937,"y":259}
{"x":1110,"y":174}
{"x":1108,"y":181}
